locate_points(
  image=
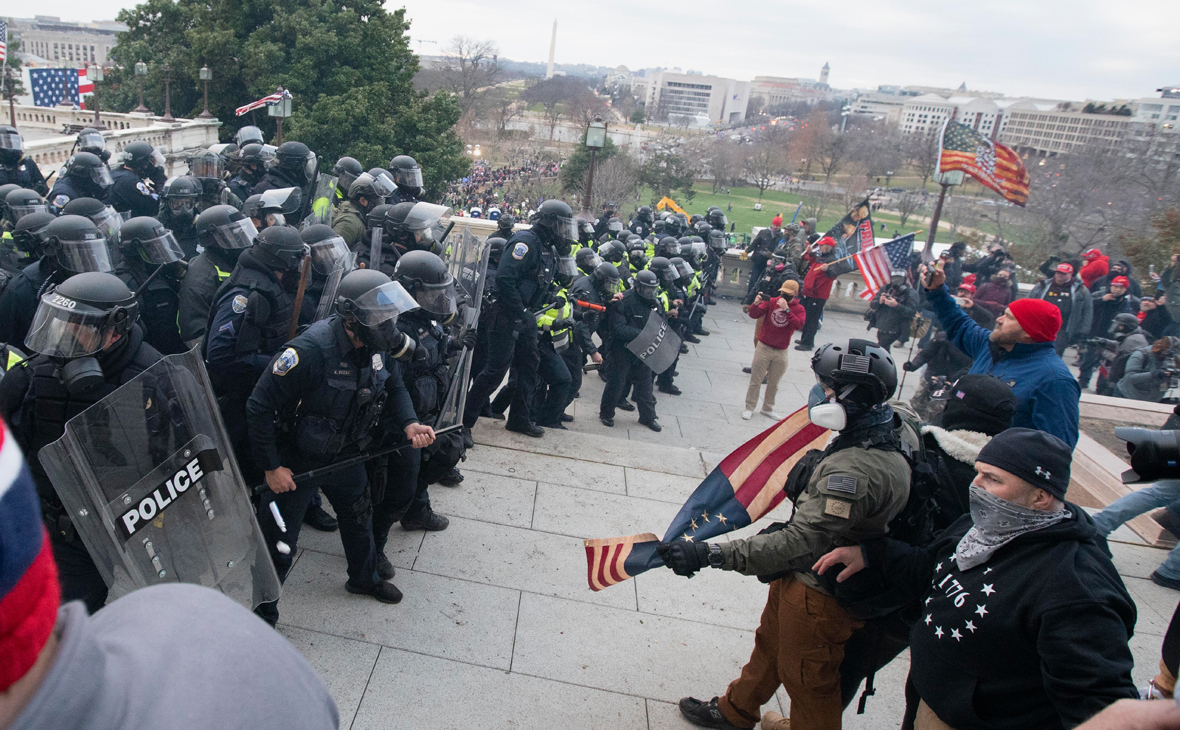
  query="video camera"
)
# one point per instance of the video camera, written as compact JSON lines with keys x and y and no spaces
{"x":1154,"y":454}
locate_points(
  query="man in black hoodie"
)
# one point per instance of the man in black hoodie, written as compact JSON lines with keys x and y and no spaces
{"x":1118,"y":268}
{"x":1025,"y":621}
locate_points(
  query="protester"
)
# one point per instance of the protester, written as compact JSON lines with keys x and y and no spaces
{"x":1097,"y":266}
{"x":781,"y":316}
{"x":817,"y":287}
{"x":1150,"y":371}
{"x":892,"y":310}
{"x":995,"y":293}
{"x":1072,"y":298}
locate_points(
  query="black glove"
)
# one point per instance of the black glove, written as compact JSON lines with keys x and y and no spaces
{"x":469,"y":338}
{"x":684,"y":558}
{"x":909,"y":367}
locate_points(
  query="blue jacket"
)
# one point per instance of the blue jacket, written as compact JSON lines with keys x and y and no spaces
{"x":1046,"y":392}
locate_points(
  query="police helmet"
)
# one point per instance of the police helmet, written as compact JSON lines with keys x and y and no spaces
{"x":254,"y":156}
{"x":668,"y":247}
{"x":695,"y":218}
{"x":612,"y":251}
{"x":141,"y":157}
{"x":555,"y":220}
{"x":587,"y":260}
{"x":346,"y":170}
{"x":91,"y":140}
{"x":644,"y":213}
{"x":148,"y":238}
{"x":858,"y":371}
{"x":370,"y":303}
{"x":425,"y":277}
{"x":495,"y":250}
{"x":12,"y":146}
{"x":606,"y":276}
{"x":658,"y":227}
{"x":376,"y":216}
{"x":645,"y":285}
{"x":505,"y":224}
{"x":717,"y":241}
{"x":376,"y":188}
{"x":225,"y":227}
{"x":614,"y":225}
{"x":76,"y":245}
{"x":248,"y":135}
{"x":280,"y":248}
{"x":180,"y":195}
{"x":88,"y":169}
{"x":5,"y":190}
{"x":22,"y":202}
{"x":663,"y":268}
{"x":681,"y":266}
{"x":272,"y":206}
{"x":82,"y":315}
{"x":102,"y":215}
{"x":296,"y":158}
{"x":716,"y":218}
{"x":703,"y":230}
{"x":329,"y":252}
{"x":29,"y":233}
{"x":206,"y":164}
{"x":406,"y":172}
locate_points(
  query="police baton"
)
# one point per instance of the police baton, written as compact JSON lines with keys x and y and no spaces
{"x":304,"y":275}
{"x":446,"y":233}
{"x":362,"y":458}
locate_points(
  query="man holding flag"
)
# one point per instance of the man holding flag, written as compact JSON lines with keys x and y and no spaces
{"x":850,"y":490}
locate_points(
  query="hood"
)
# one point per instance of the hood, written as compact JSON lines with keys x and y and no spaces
{"x":960,"y":444}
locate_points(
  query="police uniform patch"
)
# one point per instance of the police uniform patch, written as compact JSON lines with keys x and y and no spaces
{"x":285,"y":362}
{"x":142,"y":188}
{"x":378,"y":363}
{"x":838,"y":508}
{"x":519,"y":250}
{"x":59,"y":201}
{"x":239,"y":304}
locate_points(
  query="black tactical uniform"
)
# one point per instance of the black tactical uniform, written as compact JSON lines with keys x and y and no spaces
{"x":129,"y":189}
{"x":84,"y":176}
{"x":628,"y":317}
{"x":407,"y":176}
{"x":224,"y":234}
{"x":146,"y":246}
{"x":15,"y":168}
{"x":597,"y":288}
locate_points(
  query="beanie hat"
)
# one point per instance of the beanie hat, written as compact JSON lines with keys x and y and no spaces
{"x":790,"y":286}
{"x":1120,"y":281}
{"x":1039,"y":458}
{"x":1040,"y":319}
{"x":29,"y":593}
{"x":776,"y":221}
{"x":982,"y":403}
{"x":969,"y":278}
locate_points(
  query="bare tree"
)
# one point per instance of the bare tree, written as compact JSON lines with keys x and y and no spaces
{"x":920,"y":150}
{"x":585,"y":108}
{"x":906,"y":205}
{"x":766,"y":158}
{"x":815,"y":204}
{"x":833,"y":154}
{"x":615,"y":179}
{"x":722,"y":161}
{"x":553,"y":95}
{"x":469,"y":65}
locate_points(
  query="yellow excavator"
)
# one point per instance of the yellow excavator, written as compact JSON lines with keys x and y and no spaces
{"x":666,"y":203}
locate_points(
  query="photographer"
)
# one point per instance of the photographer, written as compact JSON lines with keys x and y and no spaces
{"x":1155,"y":317}
{"x":1108,"y":304}
{"x":892,"y":309}
{"x":782,"y":316}
{"x":1151,"y":370}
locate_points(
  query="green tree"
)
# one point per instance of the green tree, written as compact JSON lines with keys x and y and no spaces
{"x":665,"y":171}
{"x":13,"y":70}
{"x":637,"y":117}
{"x":349,"y":69}
{"x":573,"y":172}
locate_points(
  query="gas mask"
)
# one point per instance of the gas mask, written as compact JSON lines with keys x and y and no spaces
{"x":386,"y":337}
{"x":824,"y":411}
{"x":81,"y":375}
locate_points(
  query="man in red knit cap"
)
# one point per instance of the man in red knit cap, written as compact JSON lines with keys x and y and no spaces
{"x":1020,"y":352}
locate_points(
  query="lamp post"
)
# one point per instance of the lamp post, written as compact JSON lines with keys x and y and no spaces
{"x":945,"y":181}
{"x":95,"y":74}
{"x":140,"y":72}
{"x":280,"y":111}
{"x":10,"y":89}
{"x":595,"y":140}
{"x":167,"y":95}
{"x":206,"y":76}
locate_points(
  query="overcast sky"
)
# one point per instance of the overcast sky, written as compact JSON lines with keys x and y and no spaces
{"x":1075,"y":49}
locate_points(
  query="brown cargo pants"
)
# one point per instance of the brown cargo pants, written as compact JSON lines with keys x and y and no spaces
{"x":799,"y":644}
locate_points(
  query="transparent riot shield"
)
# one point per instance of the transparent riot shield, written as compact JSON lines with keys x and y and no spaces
{"x":323,"y":201}
{"x":151,"y":484}
{"x":466,"y":256}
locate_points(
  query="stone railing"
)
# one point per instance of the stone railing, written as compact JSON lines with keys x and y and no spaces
{"x":176,"y":140}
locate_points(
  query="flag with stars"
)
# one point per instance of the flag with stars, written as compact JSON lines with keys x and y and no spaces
{"x":47,"y":85}
{"x":3,"y":42}
{"x":878,"y":262}
{"x":989,"y":162}
{"x":742,"y":488}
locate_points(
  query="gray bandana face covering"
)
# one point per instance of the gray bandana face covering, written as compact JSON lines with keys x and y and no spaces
{"x":997,"y":522}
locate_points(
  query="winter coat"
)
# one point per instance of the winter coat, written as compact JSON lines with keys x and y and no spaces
{"x":1106,"y":311}
{"x":1036,"y":637}
{"x":1144,"y":377}
{"x":1156,"y":322}
{"x":818,"y":284}
{"x":1094,"y":270}
{"x":1046,"y":391}
{"x":1104,"y":282}
{"x":941,"y":358}
{"x":1170,"y":283}
{"x":958,"y":450}
{"x":896,"y":319}
{"x":994,"y":297}
{"x":1081,"y":311}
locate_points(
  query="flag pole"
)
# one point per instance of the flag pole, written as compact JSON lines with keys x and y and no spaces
{"x":870,"y":248}
{"x":928,"y":249}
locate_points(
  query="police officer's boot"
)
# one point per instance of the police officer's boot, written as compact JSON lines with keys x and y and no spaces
{"x":317,"y":517}
{"x":429,"y":521}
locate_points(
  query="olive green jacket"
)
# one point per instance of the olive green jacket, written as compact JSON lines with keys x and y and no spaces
{"x":349,"y":224}
{"x":853,"y":495}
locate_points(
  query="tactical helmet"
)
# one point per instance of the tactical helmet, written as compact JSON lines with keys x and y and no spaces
{"x":252,"y":160}
{"x":556,"y":221}
{"x":406,"y":172}
{"x":645,"y":284}
{"x":329,"y":252}
{"x":78,"y":317}
{"x":12,"y":146}
{"x":376,"y":216}
{"x":370,"y":302}
{"x":612,"y":251}
{"x":248,"y":135}
{"x":425,"y":277}
{"x":88,"y":169}
{"x":297,"y":159}
{"x":495,"y":250}
{"x":414,"y":223}
{"x":658,"y":228}
{"x":716,"y":218}
{"x":346,"y":170}
{"x":206,"y":164}
{"x":76,"y":244}
{"x":280,"y":248}
{"x":375,"y":188}
{"x":272,"y":206}
{"x":644,"y":213}
{"x":1124,"y":323}
{"x":180,"y":195}
{"x":587,"y":260}
{"x":858,"y":371}
{"x":141,"y":157}
{"x":505,"y":224}
{"x":614,"y":225}
{"x":663,"y":268}
{"x":668,"y":247}
{"x":682,"y":268}
{"x":22,"y":202}
{"x":148,"y":238}
{"x":91,"y":140}
{"x":225,"y":227}
{"x":102,"y":215}
{"x":29,"y":234}
{"x":606,"y":276}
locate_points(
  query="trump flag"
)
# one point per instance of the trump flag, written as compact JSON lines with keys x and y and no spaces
{"x":742,"y":488}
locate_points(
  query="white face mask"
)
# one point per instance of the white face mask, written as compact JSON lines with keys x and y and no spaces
{"x":824,"y":411}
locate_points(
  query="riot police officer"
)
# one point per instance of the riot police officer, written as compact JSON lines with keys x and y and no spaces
{"x":601,"y":287}
{"x":628,"y":316}
{"x":408,"y":227}
{"x":364,"y":194}
{"x":249,"y":322}
{"x":19,"y":203}
{"x":505,"y":226}
{"x":407,"y":176}
{"x":294,"y":166}
{"x":223,"y":233}
{"x":91,"y":140}
{"x":320,"y":400}
{"x":641,"y":223}
{"x":249,"y":134}
{"x":88,"y":343}
{"x":27,"y":242}
{"x":273,"y":207}
{"x":72,"y":245}
{"x":178,"y":211}
{"x":129,"y":191}
{"x":602,"y":224}
{"x":330,"y":261}
{"x":14,"y":166}
{"x":522,"y":284}
{"x":84,"y":176}
{"x":251,"y":163}
{"x":346,"y":170}
{"x":587,"y":260}
{"x":146,"y":245}
{"x":208,"y":167}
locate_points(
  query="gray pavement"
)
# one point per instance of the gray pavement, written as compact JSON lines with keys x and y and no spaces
{"x":498,"y":628}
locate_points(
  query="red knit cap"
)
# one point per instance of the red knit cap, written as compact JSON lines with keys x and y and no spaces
{"x":1040,"y":319}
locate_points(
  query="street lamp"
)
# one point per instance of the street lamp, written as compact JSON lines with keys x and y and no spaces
{"x":844,"y":112}
{"x":95,"y":74}
{"x":10,"y":89}
{"x":206,"y":76}
{"x":140,"y":72}
{"x":281,"y":110}
{"x":595,"y":140}
{"x":167,"y":95}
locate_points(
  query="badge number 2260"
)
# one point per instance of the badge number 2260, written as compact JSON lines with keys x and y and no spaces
{"x":61,"y":301}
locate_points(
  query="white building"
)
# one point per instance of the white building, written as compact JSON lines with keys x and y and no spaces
{"x":664,"y":93}
{"x":885,"y":106}
{"x":63,"y":43}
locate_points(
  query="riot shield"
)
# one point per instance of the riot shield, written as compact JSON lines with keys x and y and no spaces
{"x":323,"y":201}
{"x":466,"y":257}
{"x":657,"y":344}
{"x":151,"y":484}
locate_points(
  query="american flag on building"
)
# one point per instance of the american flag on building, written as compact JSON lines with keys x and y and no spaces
{"x":878,"y":262}
{"x":270,"y":100}
{"x":47,"y":85}
{"x":3,"y":42}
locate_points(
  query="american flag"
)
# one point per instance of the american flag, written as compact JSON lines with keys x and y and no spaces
{"x":3,"y":42}
{"x":991,"y":163}
{"x":271,"y":100}
{"x":85,"y":85}
{"x":878,"y":262}
{"x":47,"y":85}
{"x":741,"y":489}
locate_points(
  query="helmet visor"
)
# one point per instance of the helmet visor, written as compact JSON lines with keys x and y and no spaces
{"x":615,"y":225}
{"x":20,"y":211}
{"x":566,"y":228}
{"x":236,"y":234}
{"x":91,"y":140}
{"x":566,"y":266}
{"x":247,"y":135}
{"x":383,"y":185}
{"x":592,"y":261}
{"x":330,"y":255}
{"x":309,"y":165}
{"x":11,"y":140}
{"x":673,"y":248}
{"x":721,"y":219}
{"x":109,"y":223}
{"x":426,"y":218}
{"x":384,"y":303}
{"x":89,"y":254}
{"x":697,"y":248}
{"x":668,"y":275}
{"x":438,"y":300}
{"x":161,"y":250}
{"x":410,"y":177}
{"x":209,"y":166}
{"x":717,"y":243}
{"x":645,"y":291}
{"x":684,"y":269}
{"x":65,"y":328}
{"x":101,"y":176}
{"x":286,"y":200}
